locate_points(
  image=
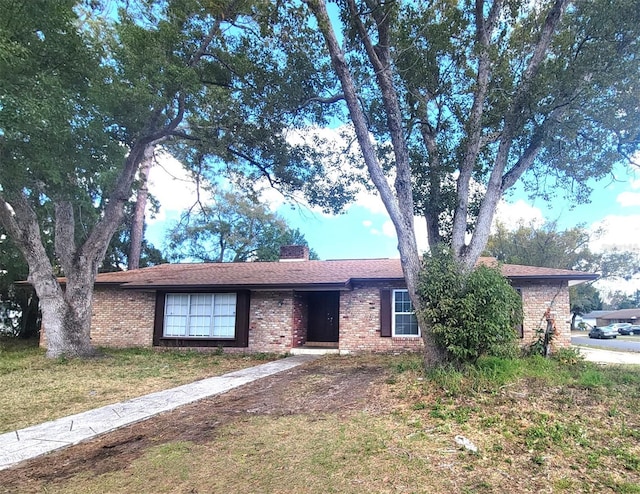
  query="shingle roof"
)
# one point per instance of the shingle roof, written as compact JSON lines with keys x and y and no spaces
{"x":336,"y":274}
{"x":621,"y":314}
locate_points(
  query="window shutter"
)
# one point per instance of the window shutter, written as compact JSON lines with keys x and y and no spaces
{"x":385,"y":313}
{"x":243,"y":300}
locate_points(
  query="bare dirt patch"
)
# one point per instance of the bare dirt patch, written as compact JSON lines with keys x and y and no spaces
{"x":328,"y":385}
{"x":374,"y":424}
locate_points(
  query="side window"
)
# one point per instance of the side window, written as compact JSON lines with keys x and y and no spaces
{"x":404,"y":322}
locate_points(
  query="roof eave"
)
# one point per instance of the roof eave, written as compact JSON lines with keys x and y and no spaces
{"x":572,"y":279}
{"x":342,"y":286}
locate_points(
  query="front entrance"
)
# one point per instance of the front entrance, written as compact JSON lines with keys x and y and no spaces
{"x":324,"y":310}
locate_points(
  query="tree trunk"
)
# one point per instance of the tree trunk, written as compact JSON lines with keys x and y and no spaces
{"x":398,"y":205}
{"x":67,"y":323}
{"x":137,"y":224}
{"x":66,"y":311}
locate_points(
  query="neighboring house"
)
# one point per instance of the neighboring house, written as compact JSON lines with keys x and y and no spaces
{"x":292,"y":305}
{"x":591,"y":318}
{"x":622,"y":315}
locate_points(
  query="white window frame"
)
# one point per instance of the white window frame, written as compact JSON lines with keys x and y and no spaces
{"x":394,"y":314}
{"x":220,"y":318}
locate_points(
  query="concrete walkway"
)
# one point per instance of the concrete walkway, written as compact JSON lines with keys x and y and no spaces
{"x":40,"y":439}
{"x":608,"y":356}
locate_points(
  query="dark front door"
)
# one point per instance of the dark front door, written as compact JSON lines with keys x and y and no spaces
{"x":323,"y":316}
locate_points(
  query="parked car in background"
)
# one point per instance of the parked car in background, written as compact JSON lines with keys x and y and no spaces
{"x":619,"y":325}
{"x":604,"y":332}
{"x":631,"y":329}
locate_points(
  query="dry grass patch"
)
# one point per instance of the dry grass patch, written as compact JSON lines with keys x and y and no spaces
{"x":372,"y":424}
{"x":36,"y":389}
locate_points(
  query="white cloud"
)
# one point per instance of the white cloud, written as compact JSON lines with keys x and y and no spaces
{"x":388,"y":229}
{"x":368,"y":224}
{"x":370,"y":201}
{"x":616,"y":232}
{"x":628,"y":199}
{"x":610,"y":286}
{"x":513,"y":215}
{"x":420,"y":227}
{"x":172,"y":186}
{"x":270,"y":196}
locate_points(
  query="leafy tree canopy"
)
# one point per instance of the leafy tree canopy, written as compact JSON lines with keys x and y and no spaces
{"x":232,"y":228}
{"x":546,"y":246}
{"x":464,"y":99}
{"x":84,"y":94}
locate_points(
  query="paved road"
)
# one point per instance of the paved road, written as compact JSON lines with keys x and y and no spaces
{"x":621,"y":343}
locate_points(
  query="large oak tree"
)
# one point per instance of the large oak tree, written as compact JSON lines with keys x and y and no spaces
{"x":83,"y":94}
{"x":457,"y":101}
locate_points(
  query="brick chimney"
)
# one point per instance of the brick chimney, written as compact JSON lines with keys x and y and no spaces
{"x":294,"y":253}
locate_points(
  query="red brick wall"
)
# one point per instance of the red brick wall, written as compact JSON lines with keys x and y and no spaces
{"x":278,"y":319}
{"x":300,"y":319}
{"x":360,"y":316}
{"x":120,"y":318}
{"x":360,"y":322}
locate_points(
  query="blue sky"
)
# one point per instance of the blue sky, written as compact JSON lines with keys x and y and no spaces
{"x":365,"y":231}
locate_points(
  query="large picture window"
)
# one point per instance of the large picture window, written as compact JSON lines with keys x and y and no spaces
{"x":404,"y":317}
{"x":200,"y":315}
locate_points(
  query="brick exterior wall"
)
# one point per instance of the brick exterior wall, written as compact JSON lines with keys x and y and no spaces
{"x":360,"y":322}
{"x":300,"y":319}
{"x":360,"y":317}
{"x":537,"y":296}
{"x":119,"y":319}
{"x":271,"y":322}
{"x":278,"y":320}
{"x":122,"y":318}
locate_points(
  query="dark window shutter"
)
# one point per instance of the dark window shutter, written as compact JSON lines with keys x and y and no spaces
{"x":385,"y":312}
{"x":243,"y":299}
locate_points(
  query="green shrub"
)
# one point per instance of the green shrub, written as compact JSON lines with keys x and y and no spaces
{"x":469,"y":314}
{"x":569,"y":356}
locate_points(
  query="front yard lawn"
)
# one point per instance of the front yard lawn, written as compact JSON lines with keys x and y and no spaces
{"x":36,"y":389}
{"x":357,"y":424}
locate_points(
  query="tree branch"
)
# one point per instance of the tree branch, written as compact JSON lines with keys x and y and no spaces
{"x":484,"y":30}
{"x":325,"y":101}
{"x":512,"y":122}
{"x":379,"y":57}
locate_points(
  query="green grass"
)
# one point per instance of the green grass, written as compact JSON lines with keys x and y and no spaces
{"x":37,"y":389}
{"x":540,"y":425}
